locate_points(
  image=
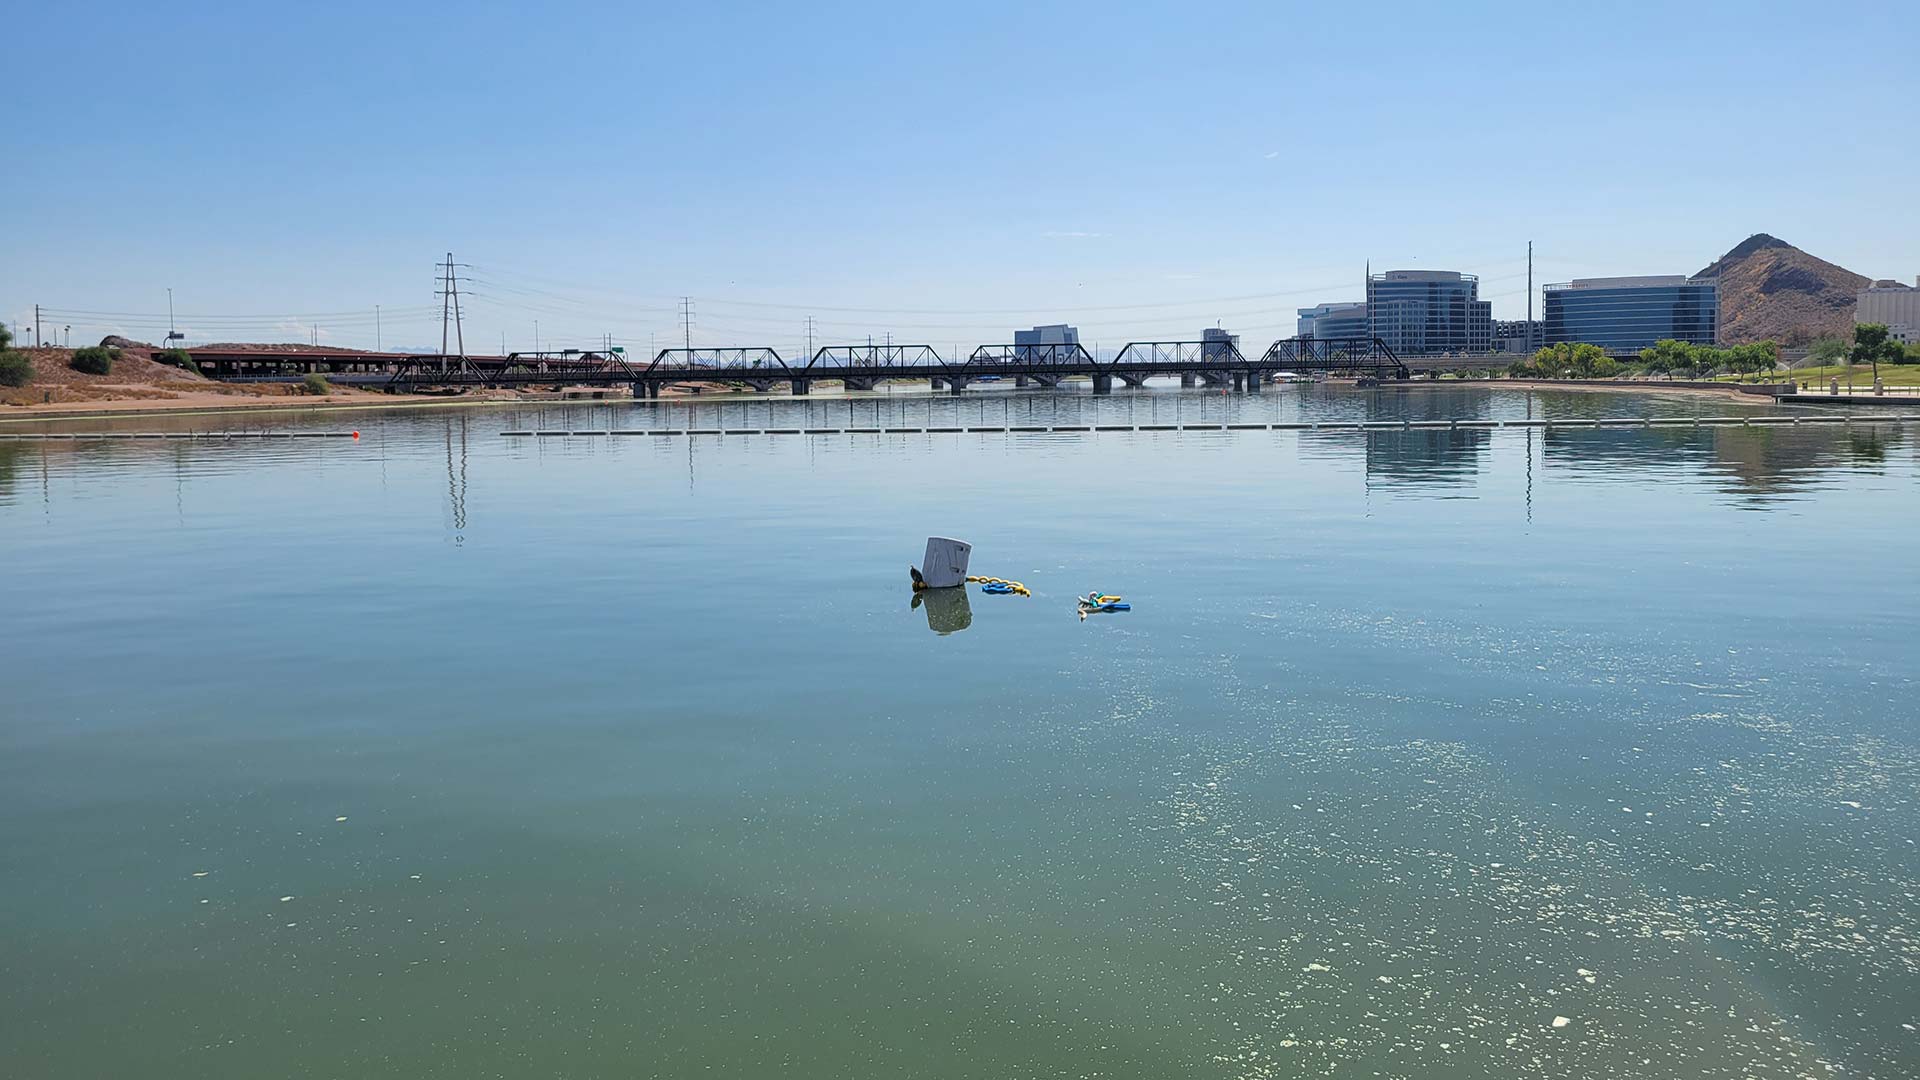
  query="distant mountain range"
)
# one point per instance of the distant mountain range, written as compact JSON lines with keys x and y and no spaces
{"x":1773,"y":291}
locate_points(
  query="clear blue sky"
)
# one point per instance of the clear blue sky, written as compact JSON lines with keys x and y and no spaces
{"x":941,"y":172}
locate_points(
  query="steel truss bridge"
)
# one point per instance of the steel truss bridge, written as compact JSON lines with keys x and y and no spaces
{"x":1217,"y":363}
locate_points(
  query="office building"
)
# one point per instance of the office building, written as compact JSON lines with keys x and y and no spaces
{"x":1056,"y":334}
{"x":1429,"y":312}
{"x":1516,"y":336}
{"x":1337,"y":320}
{"x":1217,"y":344}
{"x":1892,"y":304}
{"x":1627,"y":314}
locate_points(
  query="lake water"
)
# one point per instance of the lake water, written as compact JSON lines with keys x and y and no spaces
{"x":1436,"y":754}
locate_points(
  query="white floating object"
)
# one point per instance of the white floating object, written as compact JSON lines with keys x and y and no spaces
{"x":342,"y":817}
{"x":1561,"y":1021}
{"x":945,"y":565}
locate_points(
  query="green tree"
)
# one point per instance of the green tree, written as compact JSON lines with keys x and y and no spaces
{"x":1668,"y":355}
{"x":1755,"y":358}
{"x":1827,"y":351}
{"x":6,"y":337}
{"x":1873,"y":344}
{"x":315,"y":384}
{"x":15,"y":369}
{"x":94,"y":360}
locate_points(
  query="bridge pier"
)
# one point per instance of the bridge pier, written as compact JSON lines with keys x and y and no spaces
{"x":955,"y":386}
{"x":760,"y":385}
{"x":937,"y":383}
{"x":1187,"y":380}
{"x":1051,"y":382}
{"x":1102,"y":383}
{"x":1134,"y":382}
{"x":1019,"y":382}
{"x":1254,"y":379}
{"x":851,"y":383}
{"x":800,"y":387}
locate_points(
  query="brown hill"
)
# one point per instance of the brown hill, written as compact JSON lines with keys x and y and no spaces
{"x":1773,"y":291}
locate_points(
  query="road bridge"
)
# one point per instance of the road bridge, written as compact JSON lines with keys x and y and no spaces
{"x":1215,"y":363}
{"x":861,"y":367}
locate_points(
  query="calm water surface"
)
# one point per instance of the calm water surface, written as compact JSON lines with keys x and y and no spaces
{"x":1435,"y":754}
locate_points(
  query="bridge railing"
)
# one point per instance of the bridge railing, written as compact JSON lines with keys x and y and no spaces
{"x":732,"y":361}
{"x":578,"y":361}
{"x":1065,"y":354}
{"x":833,"y":357}
{"x":1332,"y":354}
{"x":1181,"y":354}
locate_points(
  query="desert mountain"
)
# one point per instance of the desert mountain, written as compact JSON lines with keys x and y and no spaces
{"x":1773,"y":291}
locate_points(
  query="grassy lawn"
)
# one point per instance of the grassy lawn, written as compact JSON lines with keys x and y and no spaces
{"x":1860,"y":375}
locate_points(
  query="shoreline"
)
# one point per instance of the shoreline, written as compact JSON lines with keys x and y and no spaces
{"x":220,"y":405}
{"x":108,"y":410}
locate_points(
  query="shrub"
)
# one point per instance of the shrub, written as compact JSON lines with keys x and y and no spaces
{"x":315,"y":384}
{"x":96,"y":360}
{"x":179,"y":358}
{"x":15,"y":369}
{"x":6,"y":337}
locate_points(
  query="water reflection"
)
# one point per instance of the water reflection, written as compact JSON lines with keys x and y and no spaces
{"x":949,"y":611}
{"x":1757,"y":464}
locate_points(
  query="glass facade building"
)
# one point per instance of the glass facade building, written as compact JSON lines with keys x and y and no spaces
{"x":1033,"y":342}
{"x":1429,"y":312}
{"x":1625,"y":315}
{"x":1339,"y":320}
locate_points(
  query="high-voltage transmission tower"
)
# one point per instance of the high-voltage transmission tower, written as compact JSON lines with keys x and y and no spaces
{"x":449,"y":294}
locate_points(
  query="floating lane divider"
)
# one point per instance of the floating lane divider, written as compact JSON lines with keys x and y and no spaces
{"x":204,"y":436}
{"x":1369,"y":426}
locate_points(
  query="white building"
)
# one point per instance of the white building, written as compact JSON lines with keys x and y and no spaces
{"x":1891,"y":303}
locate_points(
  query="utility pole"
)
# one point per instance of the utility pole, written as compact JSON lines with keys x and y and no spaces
{"x":686,"y":323}
{"x":172,"y":331}
{"x":36,"y":318}
{"x":1530,"y":345}
{"x":376,"y":328}
{"x":809,"y":337}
